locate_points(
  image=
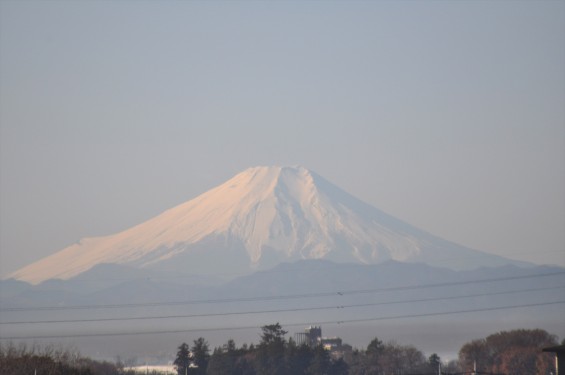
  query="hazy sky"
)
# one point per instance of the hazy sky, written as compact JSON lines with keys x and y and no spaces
{"x":448,"y":115}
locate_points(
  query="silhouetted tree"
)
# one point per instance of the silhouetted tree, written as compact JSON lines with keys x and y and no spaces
{"x":200,"y":356}
{"x":320,"y":363}
{"x":270,"y":357}
{"x":375,"y":352}
{"x":434,"y":362}
{"x":298,"y":357}
{"x":182,"y":361}
{"x":272,"y":334}
{"x":223,"y":360}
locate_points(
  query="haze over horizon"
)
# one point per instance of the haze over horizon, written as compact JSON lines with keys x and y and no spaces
{"x":448,"y":116}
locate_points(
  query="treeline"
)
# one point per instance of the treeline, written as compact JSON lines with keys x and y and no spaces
{"x":51,"y":360}
{"x":512,"y":353}
{"x":275,"y":355}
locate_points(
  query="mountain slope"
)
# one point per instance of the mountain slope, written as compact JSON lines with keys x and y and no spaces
{"x":256,"y":219}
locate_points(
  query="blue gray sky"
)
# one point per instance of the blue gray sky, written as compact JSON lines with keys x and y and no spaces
{"x":447,"y":115}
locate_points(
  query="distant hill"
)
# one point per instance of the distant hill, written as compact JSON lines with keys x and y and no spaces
{"x":437,"y":309}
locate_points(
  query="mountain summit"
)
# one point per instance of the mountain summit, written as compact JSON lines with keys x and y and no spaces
{"x":258,"y":218}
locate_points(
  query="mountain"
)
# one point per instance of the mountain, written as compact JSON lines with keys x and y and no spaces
{"x":255,"y":220}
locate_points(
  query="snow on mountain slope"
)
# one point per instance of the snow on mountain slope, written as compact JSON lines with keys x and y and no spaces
{"x":258,"y":218}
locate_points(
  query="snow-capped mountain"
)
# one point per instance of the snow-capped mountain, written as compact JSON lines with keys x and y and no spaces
{"x":258,"y":218}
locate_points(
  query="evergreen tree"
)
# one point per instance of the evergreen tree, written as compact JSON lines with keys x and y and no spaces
{"x":272,"y":334}
{"x":200,"y":356}
{"x":182,"y":361}
{"x":270,"y":358}
{"x":218,"y":364}
{"x":298,"y":358}
{"x":434,"y":362}
{"x":320,"y":363}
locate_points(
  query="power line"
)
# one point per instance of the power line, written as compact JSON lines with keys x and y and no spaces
{"x":451,"y":312}
{"x":278,"y":297}
{"x":252,"y":312}
{"x":339,"y":322}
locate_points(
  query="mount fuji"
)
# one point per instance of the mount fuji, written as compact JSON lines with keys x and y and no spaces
{"x":257,"y":219}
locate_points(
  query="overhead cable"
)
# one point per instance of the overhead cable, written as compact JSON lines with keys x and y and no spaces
{"x":339,"y":322}
{"x":252,"y":312}
{"x":278,"y":297}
